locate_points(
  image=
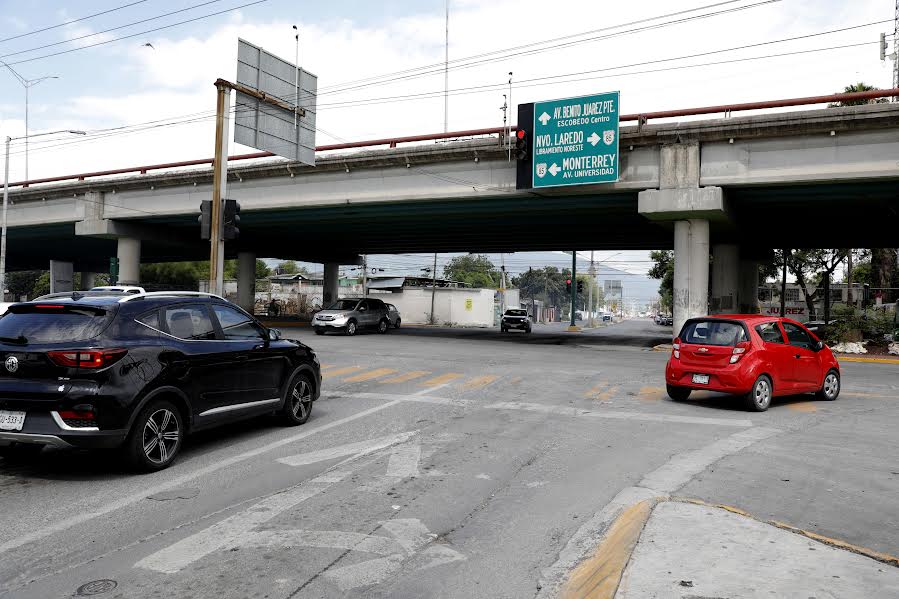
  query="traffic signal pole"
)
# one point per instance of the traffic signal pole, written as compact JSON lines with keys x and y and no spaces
{"x":219,"y":183}
{"x":573,"y":328}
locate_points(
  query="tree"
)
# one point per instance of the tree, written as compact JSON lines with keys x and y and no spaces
{"x":858,"y":87}
{"x":475,"y":270}
{"x":814,"y":268}
{"x":289,"y":267}
{"x":178,"y":275}
{"x":262,"y":271}
{"x":884,"y":271}
{"x":663,"y":270}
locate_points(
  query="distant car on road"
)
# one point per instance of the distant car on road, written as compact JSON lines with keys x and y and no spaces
{"x":515,"y":318}
{"x":119,"y":288}
{"x":606,"y":317}
{"x":393,"y":315}
{"x":758,"y":357}
{"x":664,"y":320}
{"x":351,"y":315}
{"x":139,"y":371}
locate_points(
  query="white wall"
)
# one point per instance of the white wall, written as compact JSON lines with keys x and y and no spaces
{"x":465,"y":307}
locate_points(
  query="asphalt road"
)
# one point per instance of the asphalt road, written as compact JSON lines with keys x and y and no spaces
{"x":445,"y":464}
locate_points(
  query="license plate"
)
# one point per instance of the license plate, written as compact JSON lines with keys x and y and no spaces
{"x":11,"y":420}
{"x":701,"y":379}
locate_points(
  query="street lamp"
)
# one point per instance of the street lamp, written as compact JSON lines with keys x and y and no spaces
{"x":27,"y":84}
{"x":590,"y":306}
{"x":6,"y":201}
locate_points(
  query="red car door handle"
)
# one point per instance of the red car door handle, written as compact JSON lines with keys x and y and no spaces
{"x":798,"y":357}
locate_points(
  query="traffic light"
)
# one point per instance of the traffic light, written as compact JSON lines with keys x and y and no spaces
{"x":205,"y":219}
{"x":521,"y":144}
{"x":580,"y":286}
{"x":231,"y":220}
{"x":567,"y":285}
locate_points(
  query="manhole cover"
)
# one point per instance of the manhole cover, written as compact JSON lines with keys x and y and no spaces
{"x":95,"y":587}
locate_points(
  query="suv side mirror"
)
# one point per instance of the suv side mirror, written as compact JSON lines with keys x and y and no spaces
{"x":274,"y":335}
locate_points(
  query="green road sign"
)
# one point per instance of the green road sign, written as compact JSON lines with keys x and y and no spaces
{"x":576,"y":141}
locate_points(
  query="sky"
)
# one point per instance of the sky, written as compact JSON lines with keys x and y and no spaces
{"x":143,"y":105}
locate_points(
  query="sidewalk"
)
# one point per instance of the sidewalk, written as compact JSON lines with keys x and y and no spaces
{"x":690,"y":549}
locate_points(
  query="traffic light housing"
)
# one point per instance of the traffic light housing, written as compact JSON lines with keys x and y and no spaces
{"x":231,"y":220}
{"x":568,"y":285}
{"x":580,"y":286}
{"x":205,"y":219}
{"x":521,"y":144}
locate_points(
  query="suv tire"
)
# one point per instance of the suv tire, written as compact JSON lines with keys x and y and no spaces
{"x":383,"y":326}
{"x":351,"y":328}
{"x":298,"y":400}
{"x":156,"y":436}
{"x":397,"y":325}
{"x":16,"y":452}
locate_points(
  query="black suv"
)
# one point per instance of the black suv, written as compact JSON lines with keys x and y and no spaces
{"x":140,"y":371}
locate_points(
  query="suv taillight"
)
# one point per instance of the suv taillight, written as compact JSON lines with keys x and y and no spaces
{"x":739,"y":351}
{"x":675,"y":351}
{"x":87,"y":358}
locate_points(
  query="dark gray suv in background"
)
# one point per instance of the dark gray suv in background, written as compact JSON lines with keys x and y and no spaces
{"x":350,"y":315}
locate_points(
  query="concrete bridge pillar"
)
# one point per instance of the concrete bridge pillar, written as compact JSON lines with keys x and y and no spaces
{"x":128,"y":254}
{"x":330,"y":283}
{"x":725,"y":278}
{"x":692,"y":209}
{"x":748,"y":295}
{"x":691,"y":270}
{"x":88,"y":280}
{"x":246,"y":280}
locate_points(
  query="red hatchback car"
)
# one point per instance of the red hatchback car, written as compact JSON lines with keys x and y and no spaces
{"x":758,"y":357}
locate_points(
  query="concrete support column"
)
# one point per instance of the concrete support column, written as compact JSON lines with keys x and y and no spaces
{"x":330,"y":282}
{"x":748,"y":293}
{"x":725,"y":278}
{"x":691,"y":270}
{"x":246,"y":280}
{"x":129,"y":260}
{"x":88,"y":280}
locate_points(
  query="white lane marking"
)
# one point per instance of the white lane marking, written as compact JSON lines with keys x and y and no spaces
{"x":616,"y":415}
{"x":418,"y":396}
{"x":661,"y":482}
{"x":681,"y":468}
{"x":320,"y":539}
{"x":403,"y":462}
{"x":350,"y":449}
{"x":180,"y":481}
{"x":231,"y":531}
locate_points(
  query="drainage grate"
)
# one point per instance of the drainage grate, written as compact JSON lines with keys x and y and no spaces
{"x":95,"y":587}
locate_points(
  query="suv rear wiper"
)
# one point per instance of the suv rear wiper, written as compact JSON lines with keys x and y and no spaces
{"x":20,"y":340}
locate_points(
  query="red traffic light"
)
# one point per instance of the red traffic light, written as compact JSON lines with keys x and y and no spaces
{"x":520,"y":134}
{"x":568,"y":281}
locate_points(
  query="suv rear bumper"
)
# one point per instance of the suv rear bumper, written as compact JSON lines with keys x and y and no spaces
{"x":42,"y":429}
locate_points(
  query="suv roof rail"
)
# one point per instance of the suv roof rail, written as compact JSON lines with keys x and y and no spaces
{"x":134,"y":296}
{"x":76,"y":295}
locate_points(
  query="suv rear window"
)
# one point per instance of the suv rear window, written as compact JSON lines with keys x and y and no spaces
{"x":50,"y":326}
{"x":712,"y":332}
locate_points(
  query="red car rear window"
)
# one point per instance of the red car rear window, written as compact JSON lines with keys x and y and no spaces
{"x":713,"y":332}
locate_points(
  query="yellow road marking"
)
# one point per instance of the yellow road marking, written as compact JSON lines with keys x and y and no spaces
{"x":372,"y":374}
{"x":340,"y":371}
{"x":325,"y":366}
{"x":859,"y":394}
{"x":596,"y":389}
{"x":479,"y":382}
{"x":607,"y":395}
{"x":868,"y":360}
{"x":406,"y":376}
{"x":650,"y":393}
{"x":599,"y":575}
{"x":443,"y":378}
{"x":515,"y":380}
{"x":804,"y":406}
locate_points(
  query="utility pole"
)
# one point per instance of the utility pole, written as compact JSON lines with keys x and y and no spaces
{"x":590,"y":321}
{"x":27,"y":84}
{"x":446,"y":78}
{"x":364,"y":275}
{"x":296,"y":75}
{"x":433,"y":289}
{"x":219,"y":183}
{"x":896,"y":50}
{"x":509,"y":136}
{"x":573,"y":328}
{"x":783,"y":287}
{"x":502,"y":283}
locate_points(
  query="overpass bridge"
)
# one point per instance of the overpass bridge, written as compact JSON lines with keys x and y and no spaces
{"x":739,"y":186}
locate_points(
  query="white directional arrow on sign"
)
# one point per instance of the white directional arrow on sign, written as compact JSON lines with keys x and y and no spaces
{"x":544,"y":118}
{"x":594,"y":139}
{"x":554,"y":169}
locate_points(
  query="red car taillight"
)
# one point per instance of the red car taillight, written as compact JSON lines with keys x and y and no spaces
{"x":87,"y":358}
{"x":675,"y":348}
{"x":739,"y":351}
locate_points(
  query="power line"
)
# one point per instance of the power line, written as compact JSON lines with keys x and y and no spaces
{"x":78,"y":20}
{"x":124,"y":37}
